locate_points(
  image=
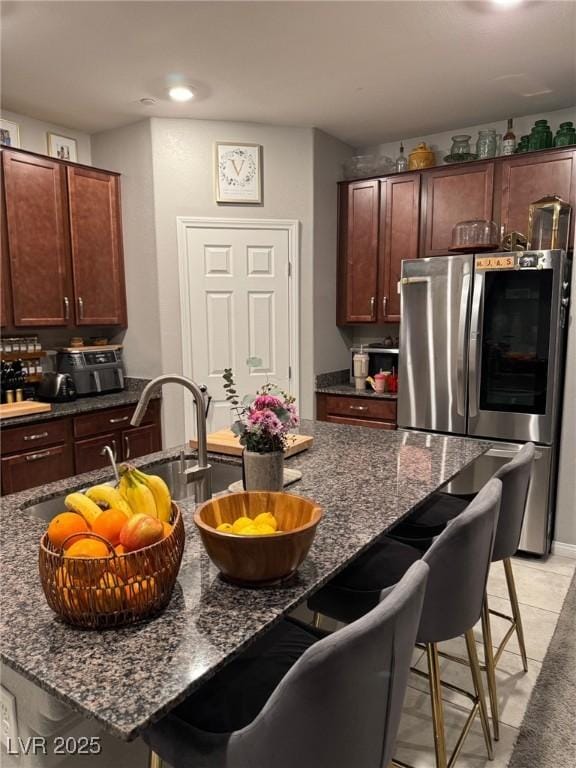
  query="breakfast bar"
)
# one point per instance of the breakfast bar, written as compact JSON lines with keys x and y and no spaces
{"x":366,"y":481}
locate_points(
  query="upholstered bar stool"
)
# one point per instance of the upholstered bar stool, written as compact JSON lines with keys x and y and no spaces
{"x":459,"y":561}
{"x":433,"y":518}
{"x":295,"y":700}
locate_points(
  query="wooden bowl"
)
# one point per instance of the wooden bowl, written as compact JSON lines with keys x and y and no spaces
{"x":258,"y":560}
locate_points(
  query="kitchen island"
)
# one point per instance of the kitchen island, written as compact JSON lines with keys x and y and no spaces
{"x":365,"y":480}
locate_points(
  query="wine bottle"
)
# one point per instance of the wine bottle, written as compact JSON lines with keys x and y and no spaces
{"x":509,"y":140}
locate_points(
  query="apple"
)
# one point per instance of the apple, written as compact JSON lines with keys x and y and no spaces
{"x":140,"y":531}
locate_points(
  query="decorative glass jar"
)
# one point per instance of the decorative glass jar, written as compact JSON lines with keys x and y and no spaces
{"x":565,"y":135}
{"x":548,"y":223}
{"x":460,"y":145}
{"x":523,"y":145}
{"x":540,"y":136}
{"x":486,"y":144}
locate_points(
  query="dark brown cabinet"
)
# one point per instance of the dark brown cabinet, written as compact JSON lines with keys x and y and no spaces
{"x":379,"y":413}
{"x":53,"y":450}
{"x":398,"y":239}
{"x":378,"y":228}
{"x":64,"y":243}
{"x":522,"y":180}
{"x":450,"y":195}
{"x":35,"y":195}
{"x":96,"y":241}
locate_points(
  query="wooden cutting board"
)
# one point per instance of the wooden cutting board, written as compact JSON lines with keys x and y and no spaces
{"x":225,"y":441}
{"x":25,"y":408}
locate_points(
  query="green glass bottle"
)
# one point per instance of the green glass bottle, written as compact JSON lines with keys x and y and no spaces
{"x":565,"y":135}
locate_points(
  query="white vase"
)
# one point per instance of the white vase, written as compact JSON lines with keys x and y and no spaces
{"x":263,"y":471}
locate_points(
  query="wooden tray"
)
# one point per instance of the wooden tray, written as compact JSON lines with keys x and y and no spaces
{"x":225,"y":441}
{"x":25,"y":408}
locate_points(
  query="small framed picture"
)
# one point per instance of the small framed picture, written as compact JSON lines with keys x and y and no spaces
{"x":62,"y":147}
{"x":9,"y":134}
{"x":238,"y":172}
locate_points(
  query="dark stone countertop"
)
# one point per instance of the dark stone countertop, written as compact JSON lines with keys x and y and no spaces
{"x":349,"y":390}
{"x":366,"y":481}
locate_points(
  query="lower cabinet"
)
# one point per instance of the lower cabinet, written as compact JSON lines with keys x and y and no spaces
{"x":53,"y":450}
{"x":359,"y":411}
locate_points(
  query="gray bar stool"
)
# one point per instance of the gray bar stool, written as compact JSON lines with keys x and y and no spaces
{"x":459,"y":561}
{"x":338,"y":704}
{"x":442,"y":508}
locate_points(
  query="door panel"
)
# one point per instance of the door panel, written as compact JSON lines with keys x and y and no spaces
{"x":524,"y":180}
{"x":97,"y":260}
{"x":88,"y":453}
{"x":37,"y":238}
{"x":141,"y":441}
{"x":450,"y":195}
{"x":433,"y":343}
{"x":399,"y":239}
{"x":238,"y":307}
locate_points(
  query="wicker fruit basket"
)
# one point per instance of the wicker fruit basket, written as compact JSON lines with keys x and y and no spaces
{"x":112,"y":591}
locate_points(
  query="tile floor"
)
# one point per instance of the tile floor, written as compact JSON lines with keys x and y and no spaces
{"x":541,"y":587}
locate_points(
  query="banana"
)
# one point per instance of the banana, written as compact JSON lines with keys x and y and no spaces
{"x":108,"y":498}
{"x":160,"y":492}
{"x":78,"y":502}
{"x":139,"y":496}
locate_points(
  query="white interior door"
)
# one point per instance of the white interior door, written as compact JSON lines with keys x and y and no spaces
{"x":236,"y":306}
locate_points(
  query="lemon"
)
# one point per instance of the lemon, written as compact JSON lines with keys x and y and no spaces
{"x":265,"y":530}
{"x":249,"y":530}
{"x":241,"y":523}
{"x":224,"y":527}
{"x":266,"y":518}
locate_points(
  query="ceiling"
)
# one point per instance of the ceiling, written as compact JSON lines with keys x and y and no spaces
{"x":365,"y":72}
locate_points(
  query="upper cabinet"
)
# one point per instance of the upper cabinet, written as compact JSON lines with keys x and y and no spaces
{"x":64,"y":242}
{"x":450,"y":195}
{"x":35,"y":195}
{"x":96,"y":239}
{"x":521,"y":180}
{"x":378,"y":228}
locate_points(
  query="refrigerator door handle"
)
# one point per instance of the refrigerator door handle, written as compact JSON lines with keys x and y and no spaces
{"x":502,"y":453}
{"x":474,"y":362}
{"x":460,"y":372}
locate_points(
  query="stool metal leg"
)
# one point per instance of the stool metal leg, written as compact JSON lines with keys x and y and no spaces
{"x":515,"y":610}
{"x":479,"y":688}
{"x":437,"y":706}
{"x":316,"y":620}
{"x":490,"y":669}
{"x":155,"y":760}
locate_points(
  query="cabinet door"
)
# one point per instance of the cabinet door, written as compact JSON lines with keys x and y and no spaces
{"x":524,"y":180}
{"x":141,"y":441}
{"x":5,"y":293}
{"x":88,"y":453}
{"x":96,"y":236}
{"x":450,"y":195}
{"x":37,"y":239}
{"x":359,"y":215}
{"x":27,"y":470}
{"x":400,"y":210}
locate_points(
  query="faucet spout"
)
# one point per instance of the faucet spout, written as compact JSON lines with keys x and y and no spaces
{"x":201,"y":473}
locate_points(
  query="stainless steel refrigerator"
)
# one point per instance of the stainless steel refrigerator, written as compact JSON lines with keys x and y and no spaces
{"x":481,"y":354}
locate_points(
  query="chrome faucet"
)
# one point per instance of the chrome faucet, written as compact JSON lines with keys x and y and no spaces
{"x":200,"y":473}
{"x":111,"y":453}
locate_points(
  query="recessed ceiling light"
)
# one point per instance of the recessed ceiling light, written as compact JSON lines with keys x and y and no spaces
{"x":147,"y":101}
{"x":181,"y":93}
{"x":506,"y":3}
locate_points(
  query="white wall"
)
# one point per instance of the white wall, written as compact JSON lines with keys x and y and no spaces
{"x":331,"y":344}
{"x":129,"y":151}
{"x":33,"y":135}
{"x":441,"y":142}
{"x":184,"y":186}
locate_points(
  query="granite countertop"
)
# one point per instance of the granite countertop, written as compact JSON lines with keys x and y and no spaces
{"x":365,"y":480}
{"x":128,"y":396}
{"x":349,"y":390}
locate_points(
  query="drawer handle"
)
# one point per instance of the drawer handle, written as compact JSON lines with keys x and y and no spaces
{"x":118,"y":420}
{"x":38,"y":456}
{"x":39,"y":436}
{"x":66,"y":308}
{"x":80,"y":308}
{"x":358,"y":407}
{"x":126,"y":447}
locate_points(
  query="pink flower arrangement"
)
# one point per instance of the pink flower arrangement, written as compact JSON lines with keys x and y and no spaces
{"x":264,"y":420}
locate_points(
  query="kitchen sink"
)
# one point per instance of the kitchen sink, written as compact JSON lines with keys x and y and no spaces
{"x":222,"y":476}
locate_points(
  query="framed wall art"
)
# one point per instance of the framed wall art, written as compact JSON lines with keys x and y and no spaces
{"x":238,"y":172}
{"x":9,"y":134}
{"x":62,"y":147}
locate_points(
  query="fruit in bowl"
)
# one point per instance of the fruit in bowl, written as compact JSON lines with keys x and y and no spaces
{"x":257,"y":538}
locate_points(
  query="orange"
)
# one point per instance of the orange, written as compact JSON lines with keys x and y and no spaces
{"x":109,"y":524}
{"x":109,"y":596}
{"x":139,"y":591}
{"x":122,"y":566}
{"x":64,"y":525}
{"x":85,"y":550}
{"x":167,"y":529}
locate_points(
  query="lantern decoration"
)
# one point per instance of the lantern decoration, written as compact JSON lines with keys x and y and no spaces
{"x":548,"y":224}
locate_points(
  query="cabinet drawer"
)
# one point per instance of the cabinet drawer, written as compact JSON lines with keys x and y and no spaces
{"x":36,"y":435}
{"x":110,"y":419}
{"x":27,"y":470}
{"x":361,"y":408}
{"x":88,"y":453}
